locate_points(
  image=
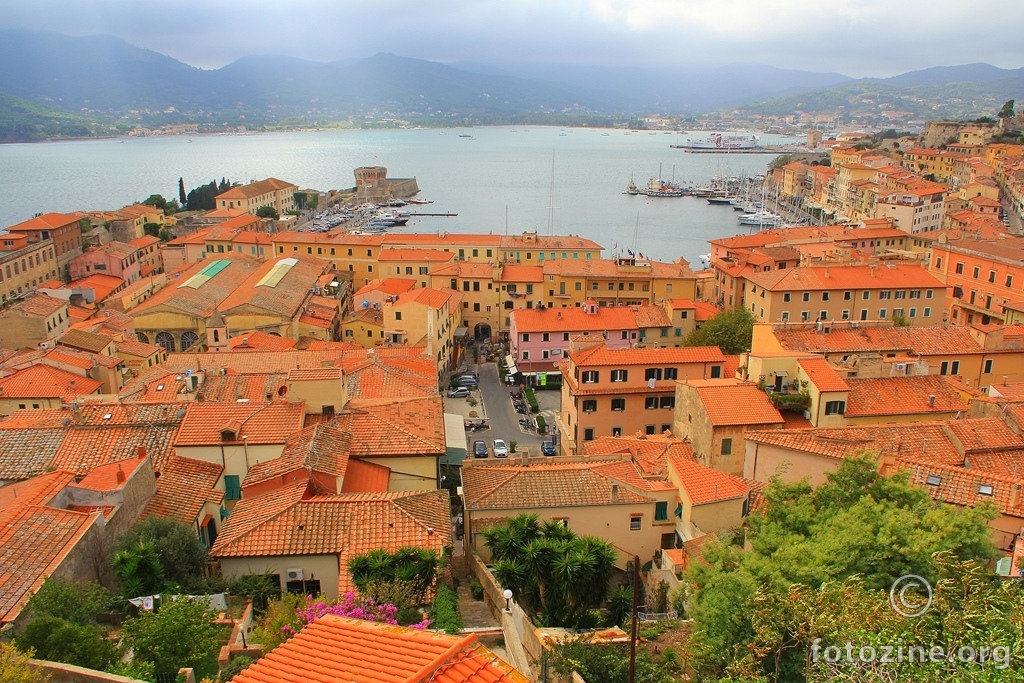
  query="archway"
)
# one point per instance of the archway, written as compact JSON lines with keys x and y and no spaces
{"x":166,"y":340}
{"x":482,"y":332}
{"x":188,"y":339}
{"x":142,"y":337}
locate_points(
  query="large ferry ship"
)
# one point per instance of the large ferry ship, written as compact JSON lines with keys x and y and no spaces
{"x":724,"y":142}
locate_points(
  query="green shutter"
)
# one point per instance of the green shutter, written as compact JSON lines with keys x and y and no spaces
{"x":679,"y":511}
{"x":660,"y":511}
{"x":232,"y":487}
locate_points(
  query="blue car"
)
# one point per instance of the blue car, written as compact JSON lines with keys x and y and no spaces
{"x":547,"y":447}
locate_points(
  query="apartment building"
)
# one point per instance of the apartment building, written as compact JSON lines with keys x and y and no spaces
{"x":622,"y":392}
{"x":985,"y":278}
{"x":64,"y":230}
{"x":277,"y":194}
{"x":25,"y":265}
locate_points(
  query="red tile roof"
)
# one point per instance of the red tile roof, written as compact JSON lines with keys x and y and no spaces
{"x":264,"y":423}
{"x":365,"y":477}
{"x":902,"y":396}
{"x":650,"y":453}
{"x":88,"y":446}
{"x":602,"y":355}
{"x":731,"y":402}
{"x":967,"y":487}
{"x":184,"y":486}
{"x":512,"y":486}
{"x":706,"y":485}
{"x":890,"y":276}
{"x":42,"y":381}
{"x":111,"y":476}
{"x":263,"y":341}
{"x":924,"y":341}
{"x":341,"y":649}
{"x":395,"y":427}
{"x":822,"y":375}
{"x":320,"y":448}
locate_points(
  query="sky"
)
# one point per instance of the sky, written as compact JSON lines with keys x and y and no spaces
{"x":857,"y":38}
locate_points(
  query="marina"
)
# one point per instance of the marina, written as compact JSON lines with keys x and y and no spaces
{"x":502,"y":183}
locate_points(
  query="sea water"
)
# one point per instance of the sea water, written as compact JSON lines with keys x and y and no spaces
{"x":501,"y":180}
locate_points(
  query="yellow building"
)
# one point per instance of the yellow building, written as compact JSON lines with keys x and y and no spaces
{"x":24,"y":265}
{"x":428,"y":318}
{"x":277,"y":194}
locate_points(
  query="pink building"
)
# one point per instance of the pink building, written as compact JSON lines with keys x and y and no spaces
{"x":539,"y":337}
{"x":114,"y":258}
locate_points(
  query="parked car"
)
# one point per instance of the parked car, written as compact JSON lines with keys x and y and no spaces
{"x":458,"y":392}
{"x":467,"y":381}
{"x":479,"y":449}
{"x":547,"y":447}
{"x":500,"y":449}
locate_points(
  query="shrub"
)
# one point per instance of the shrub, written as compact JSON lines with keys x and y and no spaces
{"x":542,"y":425}
{"x":78,"y":603}
{"x":61,"y":641}
{"x":476,"y":589}
{"x":444,"y":613}
{"x":236,"y":666}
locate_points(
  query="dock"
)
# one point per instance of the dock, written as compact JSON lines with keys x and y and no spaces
{"x":433,"y":214}
{"x":768,"y":149}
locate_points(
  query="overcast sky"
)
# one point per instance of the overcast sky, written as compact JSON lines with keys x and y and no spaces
{"x":854,"y":37}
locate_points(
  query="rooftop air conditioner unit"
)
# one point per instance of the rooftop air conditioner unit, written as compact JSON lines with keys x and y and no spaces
{"x":295,"y":574}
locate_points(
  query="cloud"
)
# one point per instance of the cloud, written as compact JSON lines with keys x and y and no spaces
{"x":858,"y":38}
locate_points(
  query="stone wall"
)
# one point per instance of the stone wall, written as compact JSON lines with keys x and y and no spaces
{"x":66,"y":673}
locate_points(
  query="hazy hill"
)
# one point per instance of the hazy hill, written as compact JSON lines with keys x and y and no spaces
{"x":113,"y":81}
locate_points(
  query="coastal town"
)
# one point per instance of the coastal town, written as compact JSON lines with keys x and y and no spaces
{"x":571,"y":440}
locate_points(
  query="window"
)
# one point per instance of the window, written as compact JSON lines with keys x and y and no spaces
{"x":927,"y":312}
{"x":716,"y":372}
{"x":988,"y":366}
{"x":545,"y":337}
{"x":835,"y":407}
{"x":590,"y":376}
{"x":807,"y":296}
{"x":652,"y":373}
{"x":933,"y":480}
{"x":625,"y":334}
{"x":786,"y":296}
{"x":976,"y":273}
{"x":634,"y":523}
{"x":526,"y":337}
{"x":398,"y":315}
{"x":232,"y":487}
{"x":565,"y":336}
{"x":726,"y":446}
{"x":590,"y":405}
{"x":671,"y":373}
{"x":668,"y":402}
{"x":619,"y":375}
{"x":882,"y":313}
{"x":526,"y":355}
{"x":650,"y":402}
{"x":847,"y":296}
{"x":824,"y":296}
{"x":991,"y":276}
{"x":805,"y":316}
{"x":649,"y":430}
{"x":661,"y":511}
{"x":618,"y":404}
{"x":1009,"y":281}
{"x":885,"y":295}
{"x":983,"y":489}
{"x":866,"y":296}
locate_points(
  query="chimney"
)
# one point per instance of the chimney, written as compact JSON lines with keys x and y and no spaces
{"x":525,"y":458}
{"x":931,"y":400}
{"x":140,"y":451}
{"x":120,"y":474}
{"x":615,"y":493}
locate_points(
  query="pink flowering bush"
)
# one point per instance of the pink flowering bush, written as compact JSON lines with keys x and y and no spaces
{"x":350,"y":605}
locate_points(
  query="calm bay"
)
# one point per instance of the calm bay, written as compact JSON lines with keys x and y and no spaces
{"x":497,"y":179}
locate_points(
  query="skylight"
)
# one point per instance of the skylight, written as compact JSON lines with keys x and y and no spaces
{"x":933,"y":480}
{"x":277,"y":273}
{"x":207,"y":273}
{"x":985,"y":489}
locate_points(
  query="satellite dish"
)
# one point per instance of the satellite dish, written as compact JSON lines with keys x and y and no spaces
{"x":366,"y":304}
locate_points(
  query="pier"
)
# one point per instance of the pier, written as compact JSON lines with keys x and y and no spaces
{"x":449,"y":214}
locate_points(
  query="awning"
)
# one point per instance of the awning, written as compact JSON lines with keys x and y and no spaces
{"x":461,"y":332}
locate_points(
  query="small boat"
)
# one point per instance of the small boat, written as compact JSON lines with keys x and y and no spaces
{"x":416,"y":200}
{"x":723,"y":200}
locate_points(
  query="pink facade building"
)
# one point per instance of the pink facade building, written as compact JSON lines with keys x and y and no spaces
{"x":114,"y":258}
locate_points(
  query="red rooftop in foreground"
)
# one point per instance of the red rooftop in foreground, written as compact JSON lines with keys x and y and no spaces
{"x":341,"y":649}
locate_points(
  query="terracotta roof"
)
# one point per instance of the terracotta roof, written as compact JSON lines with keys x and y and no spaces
{"x":184,"y":486}
{"x":444,"y":239}
{"x":602,"y":355}
{"x":42,"y":381}
{"x":511,"y":486}
{"x":395,"y":427}
{"x":255,"y":189}
{"x":208,"y":424}
{"x":390,"y":285}
{"x":111,"y":476}
{"x":902,"y":396}
{"x":704,"y":310}
{"x":100,"y":284}
{"x":279,"y":286}
{"x":256,"y":387}
{"x":47,"y":221}
{"x":34,"y":538}
{"x":28,"y":452}
{"x":341,"y":649}
{"x":431,"y":298}
{"x":133,"y":347}
{"x":415,"y":255}
{"x":374,"y":376}
{"x":262,"y":341}
{"x":706,"y":485}
{"x":255,"y":361}
{"x":967,"y":487}
{"x":86,"y":341}
{"x":514,"y":272}
{"x":650,"y":453}
{"x":321,"y":448}
{"x":288,"y":521}
{"x":39,"y":304}
{"x":890,"y":276}
{"x":822,"y":375}
{"x":88,"y":446}
{"x":925,"y":341}
{"x":197,"y":289}
{"x":731,"y":402}
{"x":365,"y":477}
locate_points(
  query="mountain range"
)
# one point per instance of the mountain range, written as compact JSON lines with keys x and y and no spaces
{"x":103,"y":83}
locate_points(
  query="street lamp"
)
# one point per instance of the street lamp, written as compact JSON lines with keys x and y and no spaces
{"x":507,"y":594}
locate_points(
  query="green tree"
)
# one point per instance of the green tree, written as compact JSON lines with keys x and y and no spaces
{"x":15,"y":668}
{"x":157,"y":201}
{"x":165,"y":235}
{"x":267,"y":211}
{"x":180,"y":634}
{"x":175,"y":544}
{"x":151,"y":229}
{"x":138,"y":569}
{"x":413,"y":567}
{"x":605,"y":662}
{"x":76,"y":602}
{"x":731,"y":330}
{"x":57,"y":640}
{"x":1007,"y":111}
{"x":182,"y":197}
{"x":857,"y":524}
{"x":553,"y":573}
